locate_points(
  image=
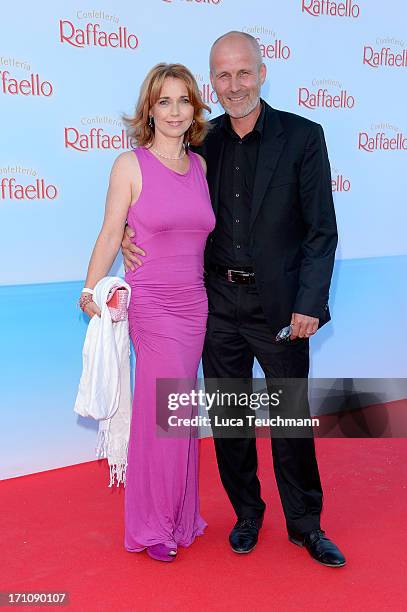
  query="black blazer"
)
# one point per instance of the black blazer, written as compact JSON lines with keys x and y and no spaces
{"x":293,"y":233}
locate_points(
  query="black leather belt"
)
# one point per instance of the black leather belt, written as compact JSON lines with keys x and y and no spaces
{"x":241,"y":277}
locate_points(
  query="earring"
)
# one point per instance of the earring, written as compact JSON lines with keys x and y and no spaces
{"x":150,"y":122}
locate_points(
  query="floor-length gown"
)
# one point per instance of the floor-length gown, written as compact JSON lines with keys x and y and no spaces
{"x":167,"y":320}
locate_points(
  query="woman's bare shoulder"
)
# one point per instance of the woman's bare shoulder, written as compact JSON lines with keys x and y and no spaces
{"x":126,"y":158}
{"x":126,"y":163}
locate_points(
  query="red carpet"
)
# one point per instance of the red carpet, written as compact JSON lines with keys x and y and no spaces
{"x":62,"y":530}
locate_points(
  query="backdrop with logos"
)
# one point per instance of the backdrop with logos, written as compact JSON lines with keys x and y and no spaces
{"x":67,"y":73}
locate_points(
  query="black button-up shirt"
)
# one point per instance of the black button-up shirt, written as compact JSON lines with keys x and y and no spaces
{"x":231,"y":236}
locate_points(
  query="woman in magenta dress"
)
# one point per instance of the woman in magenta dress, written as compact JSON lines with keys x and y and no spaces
{"x":161,"y":187}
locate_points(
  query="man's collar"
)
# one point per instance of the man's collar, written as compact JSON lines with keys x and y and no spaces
{"x":226,"y":123}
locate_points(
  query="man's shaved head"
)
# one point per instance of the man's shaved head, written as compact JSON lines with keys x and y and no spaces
{"x":237,"y":37}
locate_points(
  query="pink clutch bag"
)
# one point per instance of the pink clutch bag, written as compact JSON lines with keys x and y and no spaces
{"x":117,"y":303}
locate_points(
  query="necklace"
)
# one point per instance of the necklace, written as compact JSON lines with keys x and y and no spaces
{"x":168,"y":156}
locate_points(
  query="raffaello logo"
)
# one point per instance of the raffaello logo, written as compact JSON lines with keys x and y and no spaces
{"x":208,"y":94}
{"x":93,"y":36}
{"x":382,"y":137}
{"x":12,"y":189}
{"x":31,"y":86}
{"x":317,"y":8}
{"x":272,"y":47}
{"x":96,"y":139}
{"x":340,"y":183}
{"x":274,"y":50}
{"x":320,"y":97}
{"x":385,"y":54}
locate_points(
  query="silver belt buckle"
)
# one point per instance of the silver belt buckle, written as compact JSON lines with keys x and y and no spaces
{"x":230,"y":276}
{"x":245,"y":274}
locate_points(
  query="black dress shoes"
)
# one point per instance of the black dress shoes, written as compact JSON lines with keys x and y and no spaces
{"x":244,"y":535}
{"x":321,"y":548}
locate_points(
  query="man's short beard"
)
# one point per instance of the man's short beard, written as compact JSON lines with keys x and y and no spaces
{"x":247,"y":112}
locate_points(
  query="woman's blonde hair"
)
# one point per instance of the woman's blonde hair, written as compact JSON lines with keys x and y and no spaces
{"x":138,"y":126}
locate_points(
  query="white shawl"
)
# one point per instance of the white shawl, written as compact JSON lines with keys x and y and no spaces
{"x":104,"y":389}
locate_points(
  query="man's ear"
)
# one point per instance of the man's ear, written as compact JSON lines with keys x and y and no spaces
{"x":212,"y":79}
{"x":263,"y":73}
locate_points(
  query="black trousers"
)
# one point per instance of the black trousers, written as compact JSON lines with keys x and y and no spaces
{"x":237,"y":331}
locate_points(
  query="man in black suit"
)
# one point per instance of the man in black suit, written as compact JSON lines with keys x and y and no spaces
{"x":268,"y":264}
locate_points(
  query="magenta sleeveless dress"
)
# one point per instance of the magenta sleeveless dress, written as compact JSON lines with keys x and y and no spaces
{"x":167,"y":320}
